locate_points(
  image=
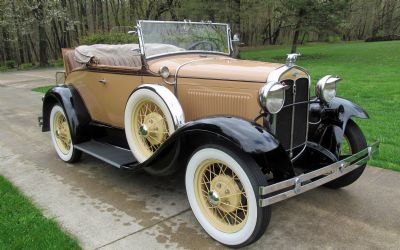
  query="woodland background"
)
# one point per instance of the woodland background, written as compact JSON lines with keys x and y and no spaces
{"x":34,"y":31}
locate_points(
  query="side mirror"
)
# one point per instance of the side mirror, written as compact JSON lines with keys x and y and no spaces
{"x":60,"y":77}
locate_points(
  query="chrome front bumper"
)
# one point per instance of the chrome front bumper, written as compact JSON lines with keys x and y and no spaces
{"x":304,"y":182}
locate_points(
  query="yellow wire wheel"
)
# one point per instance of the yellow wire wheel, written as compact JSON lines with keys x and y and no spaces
{"x":149,"y":126}
{"x":148,"y":123}
{"x":221,"y":196}
{"x":61,"y":132}
{"x":222,"y":189}
{"x":61,"y":135}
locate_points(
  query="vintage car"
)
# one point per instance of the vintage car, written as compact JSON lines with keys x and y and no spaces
{"x":247,"y":133}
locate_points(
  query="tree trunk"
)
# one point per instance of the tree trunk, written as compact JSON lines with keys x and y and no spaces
{"x":303,"y":38}
{"x":107,"y":16}
{"x":2,"y":52}
{"x":84,"y":18}
{"x":27,"y":50}
{"x":94,"y":15}
{"x":33,"y":47}
{"x":115,"y":10}
{"x":123,"y":15}
{"x":295,"y":41}
{"x":297,"y":31}
{"x":43,"y":56}
{"x":132,"y":11}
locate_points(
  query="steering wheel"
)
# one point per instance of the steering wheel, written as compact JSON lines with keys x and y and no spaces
{"x":196,"y":44}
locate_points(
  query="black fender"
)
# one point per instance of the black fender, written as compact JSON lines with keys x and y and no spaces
{"x":77,"y":114}
{"x":238,"y":133}
{"x":333,"y":120}
{"x":350,"y":109}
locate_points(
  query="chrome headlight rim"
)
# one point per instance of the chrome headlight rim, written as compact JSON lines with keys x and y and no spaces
{"x":272,"y":88}
{"x":325,"y":84}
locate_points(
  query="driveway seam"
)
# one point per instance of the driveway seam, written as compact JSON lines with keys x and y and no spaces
{"x":143,"y":229}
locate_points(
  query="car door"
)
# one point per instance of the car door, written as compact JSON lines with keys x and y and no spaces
{"x":105,"y":93}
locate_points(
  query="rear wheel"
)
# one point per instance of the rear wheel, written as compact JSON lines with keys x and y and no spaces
{"x":222,"y":188}
{"x":61,"y":135}
{"x":353,"y":142}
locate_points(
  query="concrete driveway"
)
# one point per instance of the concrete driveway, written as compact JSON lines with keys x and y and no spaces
{"x":107,"y":208}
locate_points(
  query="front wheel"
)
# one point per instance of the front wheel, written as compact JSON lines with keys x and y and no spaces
{"x":222,"y":188}
{"x":353,"y":142}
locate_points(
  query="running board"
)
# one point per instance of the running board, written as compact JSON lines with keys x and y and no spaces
{"x":116,"y":156}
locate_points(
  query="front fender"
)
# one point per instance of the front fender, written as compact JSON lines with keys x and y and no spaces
{"x":350,"y":109}
{"x":244,"y":135}
{"x":333,"y":120}
{"x":77,"y":115}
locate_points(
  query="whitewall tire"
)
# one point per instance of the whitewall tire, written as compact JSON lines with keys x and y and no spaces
{"x":222,"y":189}
{"x":61,"y":135}
{"x":148,"y":123}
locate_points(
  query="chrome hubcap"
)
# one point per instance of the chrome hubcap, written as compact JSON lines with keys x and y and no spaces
{"x":143,"y":130}
{"x":213,"y":198}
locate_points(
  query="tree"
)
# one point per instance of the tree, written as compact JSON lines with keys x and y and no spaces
{"x":312,"y":15}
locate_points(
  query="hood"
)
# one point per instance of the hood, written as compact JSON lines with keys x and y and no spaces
{"x":215,"y":67}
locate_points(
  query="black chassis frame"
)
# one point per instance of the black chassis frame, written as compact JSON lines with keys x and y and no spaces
{"x":327,"y":123}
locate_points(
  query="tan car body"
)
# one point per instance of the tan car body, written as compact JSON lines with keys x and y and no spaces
{"x":206,"y":85}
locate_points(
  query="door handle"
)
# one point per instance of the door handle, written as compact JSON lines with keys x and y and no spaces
{"x":103,"y":81}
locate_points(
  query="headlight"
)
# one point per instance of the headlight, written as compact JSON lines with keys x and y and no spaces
{"x":272,"y":97}
{"x":326,"y":88}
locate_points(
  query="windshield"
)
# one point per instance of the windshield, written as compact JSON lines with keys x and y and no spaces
{"x":161,"y":38}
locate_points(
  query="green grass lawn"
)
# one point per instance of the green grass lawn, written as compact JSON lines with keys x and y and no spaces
{"x":22,"y":226}
{"x":42,"y":89}
{"x":370,"y":73}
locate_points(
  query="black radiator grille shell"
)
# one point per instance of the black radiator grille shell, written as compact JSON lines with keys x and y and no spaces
{"x":283,"y":122}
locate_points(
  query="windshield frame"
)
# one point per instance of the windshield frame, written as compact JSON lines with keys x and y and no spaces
{"x":142,"y":44}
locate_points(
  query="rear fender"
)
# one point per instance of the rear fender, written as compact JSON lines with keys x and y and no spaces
{"x":238,"y":133}
{"x":77,"y":115}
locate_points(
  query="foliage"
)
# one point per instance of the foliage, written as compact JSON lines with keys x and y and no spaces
{"x":108,"y":38}
{"x":36,"y":30}
{"x":383,"y":38}
{"x":27,"y":66}
{"x":369,"y":72}
{"x":311,"y":16}
{"x":10,"y":64}
{"x":22,"y":226}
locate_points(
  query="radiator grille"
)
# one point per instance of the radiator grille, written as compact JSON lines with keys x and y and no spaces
{"x":293,"y":118}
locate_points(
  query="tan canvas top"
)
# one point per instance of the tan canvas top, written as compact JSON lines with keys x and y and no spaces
{"x":112,"y":55}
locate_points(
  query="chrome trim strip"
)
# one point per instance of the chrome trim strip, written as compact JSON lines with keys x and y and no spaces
{"x":304,"y":182}
{"x":293,"y":116}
